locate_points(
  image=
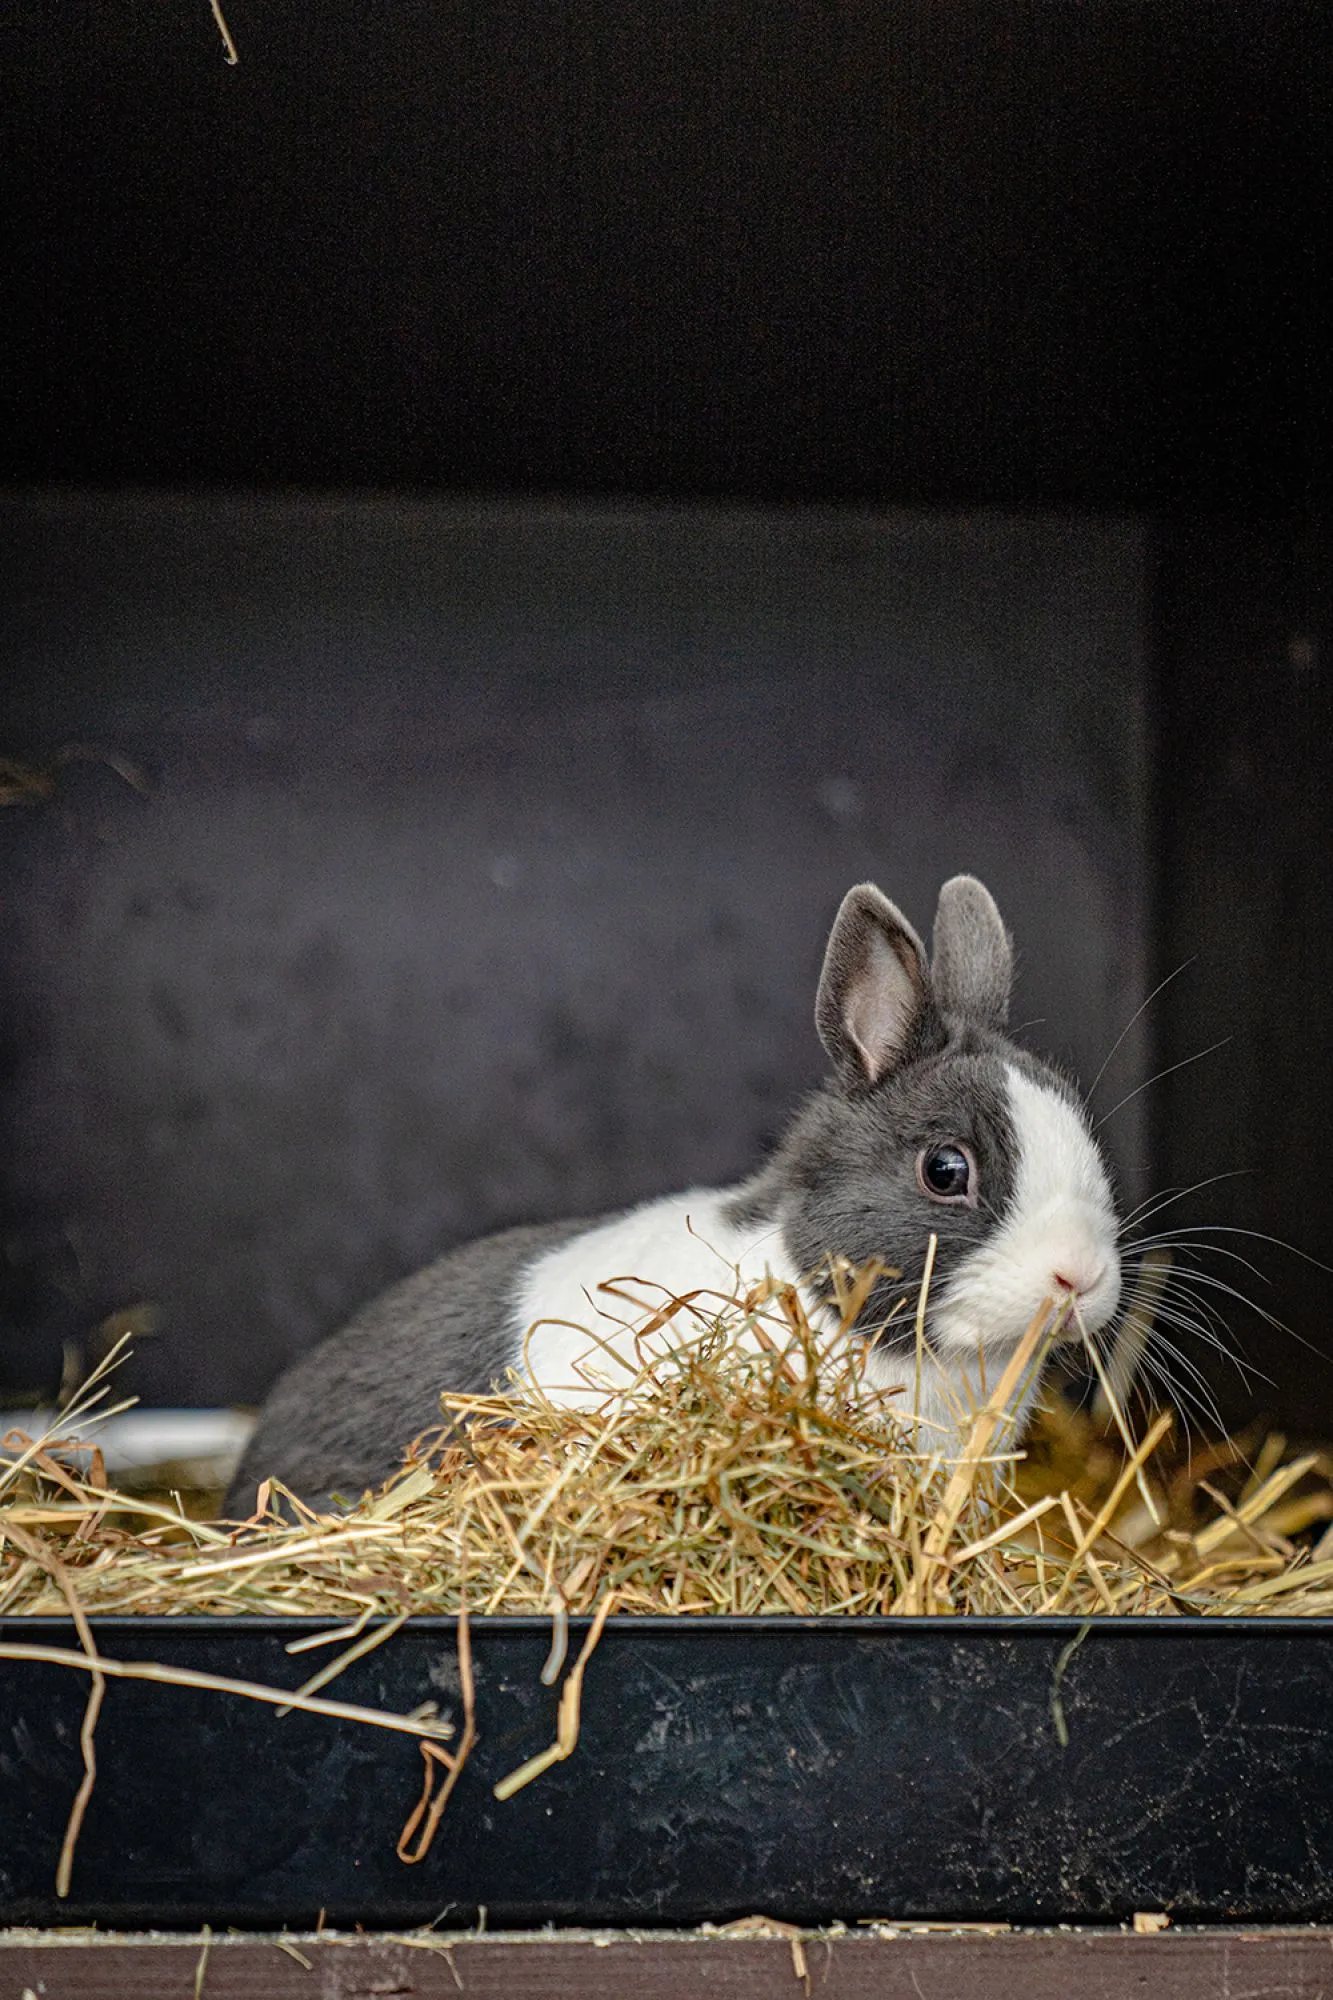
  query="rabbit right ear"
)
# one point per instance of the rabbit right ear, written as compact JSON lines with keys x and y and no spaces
{"x":874,"y":994}
{"x":973,"y":967}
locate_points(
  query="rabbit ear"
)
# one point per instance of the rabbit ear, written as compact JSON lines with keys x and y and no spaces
{"x":874,"y":995}
{"x":972,"y":968}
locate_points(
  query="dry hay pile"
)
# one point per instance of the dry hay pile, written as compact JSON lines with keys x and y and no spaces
{"x":746,"y":1473}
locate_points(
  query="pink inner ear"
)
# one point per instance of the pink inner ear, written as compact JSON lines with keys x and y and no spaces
{"x":881,"y":999}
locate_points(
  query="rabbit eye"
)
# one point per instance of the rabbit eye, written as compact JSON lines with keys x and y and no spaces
{"x":946,"y":1173}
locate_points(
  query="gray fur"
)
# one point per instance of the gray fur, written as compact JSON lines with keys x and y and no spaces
{"x":342,"y":1416}
{"x":919,"y":1060}
{"x":843,"y":1180}
{"x":972,"y":965}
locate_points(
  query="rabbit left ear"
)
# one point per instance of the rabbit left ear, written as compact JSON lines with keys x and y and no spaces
{"x":874,"y":993}
{"x":972,"y":969}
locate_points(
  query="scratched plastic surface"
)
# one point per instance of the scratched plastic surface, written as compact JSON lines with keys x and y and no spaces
{"x":835,"y":1769}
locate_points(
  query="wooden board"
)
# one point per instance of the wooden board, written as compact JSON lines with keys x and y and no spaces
{"x":617,"y":1966}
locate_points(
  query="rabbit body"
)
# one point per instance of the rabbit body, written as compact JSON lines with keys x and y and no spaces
{"x":933,"y":1123}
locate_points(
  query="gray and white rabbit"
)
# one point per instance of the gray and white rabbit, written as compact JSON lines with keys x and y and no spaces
{"x":932,"y":1122}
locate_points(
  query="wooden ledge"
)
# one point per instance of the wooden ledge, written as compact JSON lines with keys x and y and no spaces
{"x":619,"y":1965}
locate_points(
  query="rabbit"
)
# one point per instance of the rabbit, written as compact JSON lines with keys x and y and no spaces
{"x":932,"y":1123}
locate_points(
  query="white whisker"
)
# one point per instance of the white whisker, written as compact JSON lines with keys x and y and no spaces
{"x":1261,"y":1236}
{"x":1184,"y":1396}
{"x":1170,"y":1070}
{"x":1137,"y":1015}
{"x":1193,"y":1243}
{"x":1154,"y":1204}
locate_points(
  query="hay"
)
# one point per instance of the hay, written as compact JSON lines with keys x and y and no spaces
{"x":750,"y":1470}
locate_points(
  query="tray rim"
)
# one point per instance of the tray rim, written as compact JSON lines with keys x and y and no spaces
{"x":654,"y":1624}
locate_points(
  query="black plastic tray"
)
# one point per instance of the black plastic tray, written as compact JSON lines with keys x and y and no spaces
{"x":835,"y":1768}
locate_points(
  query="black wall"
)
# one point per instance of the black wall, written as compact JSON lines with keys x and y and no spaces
{"x":1243,"y":865}
{"x":1016,"y":252}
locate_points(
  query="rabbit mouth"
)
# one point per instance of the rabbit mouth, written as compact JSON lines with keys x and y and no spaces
{"x":990,"y":1303}
{"x":960,"y":1329}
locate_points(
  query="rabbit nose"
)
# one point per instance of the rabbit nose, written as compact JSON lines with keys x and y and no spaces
{"x":1082,"y":1284}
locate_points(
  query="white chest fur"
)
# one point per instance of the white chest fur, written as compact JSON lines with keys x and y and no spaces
{"x":581,"y":1308}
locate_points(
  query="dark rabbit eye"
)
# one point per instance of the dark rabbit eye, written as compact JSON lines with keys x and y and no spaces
{"x":946,"y":1173}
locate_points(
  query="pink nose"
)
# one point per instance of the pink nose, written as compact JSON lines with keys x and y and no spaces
{"x":1079,"y":1286}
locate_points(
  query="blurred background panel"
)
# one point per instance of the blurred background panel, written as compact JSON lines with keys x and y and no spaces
{"x":544,"y":497}
{"x":1242,"y":851}
{"x":486,"y":860}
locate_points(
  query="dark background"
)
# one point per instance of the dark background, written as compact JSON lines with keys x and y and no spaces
{"x":617,"y":339}
{"x":1057,"y":254}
